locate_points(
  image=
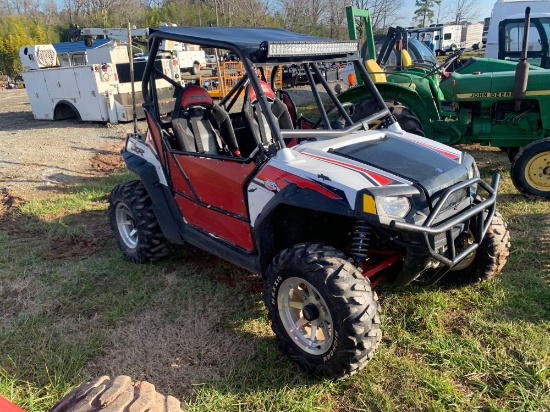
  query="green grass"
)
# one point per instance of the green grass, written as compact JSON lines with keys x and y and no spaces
{"x":71,"y":308}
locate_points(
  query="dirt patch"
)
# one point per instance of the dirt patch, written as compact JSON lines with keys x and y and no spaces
{"x":69,"y":246}
{"x":8,"y":202}
{"x":176,"y":355}
{"x":107,"y":162}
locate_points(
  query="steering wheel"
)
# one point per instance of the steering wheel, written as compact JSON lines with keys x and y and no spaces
{"x":448,"y":61}
{"x":331,"y":111}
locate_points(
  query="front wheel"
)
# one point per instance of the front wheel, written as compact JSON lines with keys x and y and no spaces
{"x":322,"y":310}
{"x":134,"y":223}
{"x":488,"y":259}
{"x":531,"y":169}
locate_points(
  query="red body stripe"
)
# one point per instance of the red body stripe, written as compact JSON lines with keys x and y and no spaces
{"x":383,"y":181}
{"x":282,"y":178}
{"x":450,"y":155}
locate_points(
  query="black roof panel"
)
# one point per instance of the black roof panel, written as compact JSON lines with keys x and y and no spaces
{"x":246,"y":40}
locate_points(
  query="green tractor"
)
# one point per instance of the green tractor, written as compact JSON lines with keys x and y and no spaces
{"x":487,"y":101}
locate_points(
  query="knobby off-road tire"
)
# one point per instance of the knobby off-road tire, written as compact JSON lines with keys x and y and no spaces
{"x":407,"y":120}
{"x":404,"y":116}
{"x":311,"y":290}
{"x":134,"y":223}
{"x":490,"y":256}
{"x":531,"y":169}
{"x":116,"y":395}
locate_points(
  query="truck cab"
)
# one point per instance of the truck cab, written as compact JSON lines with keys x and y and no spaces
{"x":506,"y":32}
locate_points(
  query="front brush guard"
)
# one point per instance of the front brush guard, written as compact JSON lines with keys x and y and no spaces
{"x":484,"y":211}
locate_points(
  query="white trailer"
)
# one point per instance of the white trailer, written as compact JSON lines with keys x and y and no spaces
{"x":505,"y":33}
{"x":472,"y":36}
{"x":91,"y":83}
{"x":449,"y":37}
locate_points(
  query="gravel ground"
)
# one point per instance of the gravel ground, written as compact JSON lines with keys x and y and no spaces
{"x":39,"y":155}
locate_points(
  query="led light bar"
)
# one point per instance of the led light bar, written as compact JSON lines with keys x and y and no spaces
{"x":287,"y":49}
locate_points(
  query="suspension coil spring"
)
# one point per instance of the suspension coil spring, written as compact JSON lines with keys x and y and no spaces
{"x":360,"y":241}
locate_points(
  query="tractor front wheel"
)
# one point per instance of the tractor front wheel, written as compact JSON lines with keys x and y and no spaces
{"x":134,"y":223}
{"x":322,"y":310}
{"x":531,"y":169}
{"x":488,"y":259}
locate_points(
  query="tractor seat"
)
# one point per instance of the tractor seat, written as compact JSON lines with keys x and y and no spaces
{"x":376,"y":72}
{"x":201,"y":127}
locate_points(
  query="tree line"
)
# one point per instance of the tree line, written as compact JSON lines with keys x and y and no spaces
{"x":27,"y":22}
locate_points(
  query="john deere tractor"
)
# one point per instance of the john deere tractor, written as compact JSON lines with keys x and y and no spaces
{"x":487,"y":101}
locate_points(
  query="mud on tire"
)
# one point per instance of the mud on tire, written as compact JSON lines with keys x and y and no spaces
{"x":116,"y":395}
{"x":134,"y":223}
{"x":490,"y":258}
{"x":312,"y":280}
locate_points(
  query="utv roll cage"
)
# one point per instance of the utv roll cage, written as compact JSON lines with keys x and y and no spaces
{"x":260,"y":47}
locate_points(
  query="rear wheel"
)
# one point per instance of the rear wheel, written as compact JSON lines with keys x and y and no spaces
{"x":134,"y":223}
{"x":322,"y":310}
{"x":116,"y":395}
{"x":404,"y":116}
{"x":531,"y":169}
{"x":488,"y":259}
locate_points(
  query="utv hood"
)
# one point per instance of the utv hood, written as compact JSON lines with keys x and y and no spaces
{"x":429,"y":164}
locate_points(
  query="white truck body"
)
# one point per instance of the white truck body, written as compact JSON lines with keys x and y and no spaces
{"x":92,"y":84}
{"x":191,"y":57}
{"x":506,"y":18}
{"x":449,"y":37}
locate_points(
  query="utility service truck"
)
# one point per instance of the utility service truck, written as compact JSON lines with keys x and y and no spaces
{"x":90,"y":79}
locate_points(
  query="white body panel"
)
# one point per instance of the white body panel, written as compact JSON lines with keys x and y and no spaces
{"x":503,"y":10}
{"x":313,"y":162}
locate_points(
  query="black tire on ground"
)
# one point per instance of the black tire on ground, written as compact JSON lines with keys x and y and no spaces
{"x":490,"y":257}
{"x":135,"y":225}
{"x":531,"y":169}
{"x":312,"y":290}
{"x":404,"y":116}
{"x":116,"y":395}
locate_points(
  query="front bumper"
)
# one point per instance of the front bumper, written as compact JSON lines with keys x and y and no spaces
{"x":430,"y":233}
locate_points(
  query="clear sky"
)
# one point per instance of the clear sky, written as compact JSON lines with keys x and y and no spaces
{"x":484,"y":6}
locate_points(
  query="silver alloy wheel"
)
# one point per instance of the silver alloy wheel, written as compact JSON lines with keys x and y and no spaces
{"x":126,"y":227}
{"x":305,"y":316}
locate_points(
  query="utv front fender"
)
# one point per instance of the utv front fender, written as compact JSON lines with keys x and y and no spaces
{"x":164,"y":205}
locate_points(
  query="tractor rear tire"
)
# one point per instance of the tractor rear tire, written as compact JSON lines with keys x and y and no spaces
{"x":135,"y":225}
{"x":531,"y":169}
{"x":312,"y":290}
{"x":404,"y":116}
{"x":490,"y":257}
{"x":406,"y":119}
{"x":116,"y":395}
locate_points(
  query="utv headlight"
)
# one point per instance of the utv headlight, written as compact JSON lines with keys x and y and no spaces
{"x":395,"y":206}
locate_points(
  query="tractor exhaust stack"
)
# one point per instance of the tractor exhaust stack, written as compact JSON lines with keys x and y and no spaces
{"x":522,"y":68}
